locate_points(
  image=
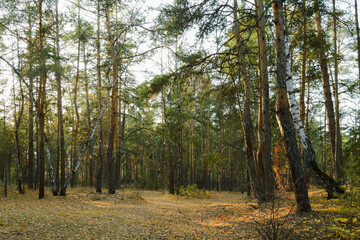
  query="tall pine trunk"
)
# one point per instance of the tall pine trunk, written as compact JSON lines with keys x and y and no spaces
{"x":283,"y":111}
{"x":30,"y":176}
{"x":247,"y":126}
{"x":88,"y":114}
{"x":113,"y":109}
{"x":338,"y":138}
{"x":60,"y":131}
{"x":326,"y":82}
{"x":17,"y":140}
{"x":303,"y":79}
{"x":284,"y":71}
{"x":41,"y":105}
{"x":264,"y":151}
{"x":5,"y":157}
{"x":100,"y":163}
{"x":77,"y":123}
{"x":357,"y":39}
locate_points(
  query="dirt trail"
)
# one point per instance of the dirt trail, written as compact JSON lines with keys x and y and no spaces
{"x":83,"y":214}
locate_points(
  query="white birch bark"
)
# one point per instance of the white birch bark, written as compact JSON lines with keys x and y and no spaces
{"x":294,"y":109}
{"x":311,"y":165}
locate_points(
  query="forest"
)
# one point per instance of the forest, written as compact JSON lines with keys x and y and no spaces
{"x":256,"y":100}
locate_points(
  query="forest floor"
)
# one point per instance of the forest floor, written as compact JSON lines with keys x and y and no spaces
{"x":134,"y":214}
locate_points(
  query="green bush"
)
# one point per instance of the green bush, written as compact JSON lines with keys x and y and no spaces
{"x":192,"y":191}
{"x":348,"y":226}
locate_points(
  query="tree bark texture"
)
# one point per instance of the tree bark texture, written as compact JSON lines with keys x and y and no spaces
{"x":338,"y":138}
{"x":77,"y":121}
{"x":113,"y":109}
{"x":60,"y":130}
{"x":309,"y":154}
{"x":357,"y":39}
{"x":41,"y":100}
{"x":326,"y":82}
{"x":264,"y":151}
{"x":283,"y":111}
{"x":30,"y":176}
{"x":17,"y":141}
{"x":100,"y":163}
{"x":247,"y":126}
{"x":303,"y":79}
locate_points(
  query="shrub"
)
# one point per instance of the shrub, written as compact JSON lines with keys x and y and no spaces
{"x":192,"y":191}
{"x":349,"y":227}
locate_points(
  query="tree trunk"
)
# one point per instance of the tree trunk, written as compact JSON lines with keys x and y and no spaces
{"x":77,"y":124}
{"x":264,"y":152}
{"x":338,"y":138}
{"x":326,"y":82}
{"x":60,"y":131}
{"x":98,"y":68}
{"x":309,"y":154}
{"x":283,"y":111}
{"x":41,"y":99}
{"x":30,"y":179}
{"x":357,"y":39}
{"x":247,"y":126}
{"x":303,"y":81}
{"x":17,"y":126}
{"x":88,"y":113}
{"x":113,"y":109}
{"x":179,"y":136}
{"x":5,"y":156}
{"x":17,"y":140}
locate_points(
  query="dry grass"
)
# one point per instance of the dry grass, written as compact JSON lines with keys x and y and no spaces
{"x":84,"y":214}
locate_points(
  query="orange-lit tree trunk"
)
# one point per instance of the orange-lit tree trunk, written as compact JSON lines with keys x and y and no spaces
{"x":264,"y":151}
{"x":284,"y":77}
{"x":283,"y":114}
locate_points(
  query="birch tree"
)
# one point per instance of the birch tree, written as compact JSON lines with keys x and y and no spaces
{"x":283,"y":115}
{"x":285,"y":72}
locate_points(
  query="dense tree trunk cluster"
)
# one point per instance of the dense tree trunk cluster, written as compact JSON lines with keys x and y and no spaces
{"x":101,"y":96}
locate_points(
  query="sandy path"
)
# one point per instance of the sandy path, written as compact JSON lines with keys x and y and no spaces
{"x":83,"y":214}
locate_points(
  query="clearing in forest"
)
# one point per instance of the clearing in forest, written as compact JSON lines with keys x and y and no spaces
{"x":133,"y":214}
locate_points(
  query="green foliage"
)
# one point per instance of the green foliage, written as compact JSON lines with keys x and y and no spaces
{"x":148,"y":89}
{"x":193,"y":58}
{"x":349,"y":227}
{"x":192,"y":191}
{"x":159,"y":82}
{"x":214,"y":158}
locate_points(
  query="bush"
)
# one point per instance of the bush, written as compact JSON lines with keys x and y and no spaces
{"x":192,"y":191}
{"x":275,"y":225}
{"x":348,"y":227}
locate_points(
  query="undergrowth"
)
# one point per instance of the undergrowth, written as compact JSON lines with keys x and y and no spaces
{"x":349,"y":227}
{"x":192,"y":191}
{"x":276,"y":224}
